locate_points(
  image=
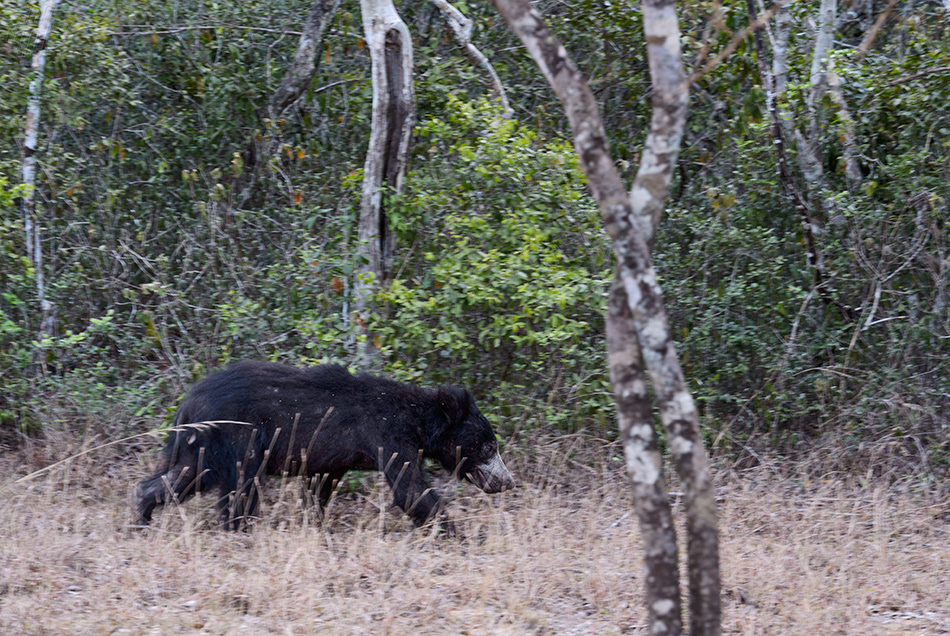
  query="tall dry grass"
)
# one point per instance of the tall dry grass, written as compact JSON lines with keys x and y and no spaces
{"x":559,"y":555}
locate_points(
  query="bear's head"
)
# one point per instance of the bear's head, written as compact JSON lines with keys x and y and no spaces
{"x":467,"y":444}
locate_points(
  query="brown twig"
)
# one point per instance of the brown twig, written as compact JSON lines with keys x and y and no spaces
{"x":728,"y":50}
{"x":924,"y":73}
{"x":868,"y":41}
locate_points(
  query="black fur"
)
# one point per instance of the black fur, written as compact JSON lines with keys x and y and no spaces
{"x":255,"y":419}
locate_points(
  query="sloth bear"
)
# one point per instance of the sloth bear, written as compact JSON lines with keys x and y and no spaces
{"x":258,"y":418}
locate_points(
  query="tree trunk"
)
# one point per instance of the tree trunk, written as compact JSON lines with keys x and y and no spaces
{"x":645,"y":466}
{"x":809,"y":224}
{"x":630,"y":221}
{"x":296,"y":81}
{"x":390,"y":48}
{"x":809,"y":144}
{"x":783,"y":29}
{"x":824,"y":40}
{"x":849,"y":138}
{"x":31,"y":220}
{"x":300,"y":74}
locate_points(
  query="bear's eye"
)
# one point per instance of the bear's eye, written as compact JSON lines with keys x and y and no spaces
{"x":488,"y":448}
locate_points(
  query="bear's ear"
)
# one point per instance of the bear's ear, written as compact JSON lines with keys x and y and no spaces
{"x":455,"y":403}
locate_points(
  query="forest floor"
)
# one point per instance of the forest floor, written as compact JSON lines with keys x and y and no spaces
{"x":558,"y":555}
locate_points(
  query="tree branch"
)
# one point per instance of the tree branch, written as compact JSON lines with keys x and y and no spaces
{"x":924,"y":73}
{"x":868,"y":41}
{"x":300,"y":73}
{"x":730,"y":48}
{"x":149,"y":29}
{"x":461,"y":29}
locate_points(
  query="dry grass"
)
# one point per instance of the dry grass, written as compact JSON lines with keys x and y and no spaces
{"x":560,"y":555}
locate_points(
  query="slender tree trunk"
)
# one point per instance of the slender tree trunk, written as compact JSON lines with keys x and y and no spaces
{"x":390,"y":48}
{"x":296,"y":81}
{"x":461,"y":28}
{"x":299,"y":75}
{"x":824,"y":41}
{"x":809,"y":225}
{"x":809,"y":144}
{"x":849,"y":140}
{"x":783,"y":29}
{"x":630,"y":221}
{"x":31,"y":220}
{"x":645,"y":466}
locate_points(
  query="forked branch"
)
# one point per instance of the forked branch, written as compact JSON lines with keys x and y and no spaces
{"x":630,"y":221}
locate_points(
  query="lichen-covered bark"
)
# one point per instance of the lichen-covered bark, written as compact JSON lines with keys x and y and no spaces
{"x":645,"y":466}
{"x":300,"y":73}
{"x":461,"y":29}
{"x":390,"y":48}
{"x":630,"y":221}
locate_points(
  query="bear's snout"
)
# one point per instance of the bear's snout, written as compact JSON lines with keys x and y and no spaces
{"x":492,"y":476}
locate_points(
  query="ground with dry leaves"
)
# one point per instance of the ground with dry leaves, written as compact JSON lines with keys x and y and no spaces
{"x":559,"y":555}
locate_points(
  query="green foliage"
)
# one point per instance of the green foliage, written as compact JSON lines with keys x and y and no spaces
{"x":507,"y":286}
{"x":16,"y":276}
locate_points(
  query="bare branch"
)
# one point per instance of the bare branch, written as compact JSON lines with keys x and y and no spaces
{"x":909,"y":78}
{"x":149,"y":29}
{"x":461,"y":28}
{"x":868,"y":41}
{"x":730,"y":48}
{"x":300,"y":74}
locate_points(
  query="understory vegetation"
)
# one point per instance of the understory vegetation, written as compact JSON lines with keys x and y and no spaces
{"x":168,"y":254}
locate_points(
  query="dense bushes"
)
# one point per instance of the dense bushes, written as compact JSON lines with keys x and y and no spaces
{"x":167,"y":255}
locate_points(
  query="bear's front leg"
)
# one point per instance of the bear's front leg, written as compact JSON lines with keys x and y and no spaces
{"x":412,"y":491}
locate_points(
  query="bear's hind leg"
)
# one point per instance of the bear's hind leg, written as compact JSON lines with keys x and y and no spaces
{"x":176,"y":484}
{"x":148,"y":495}
{"x":239,"y":498}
